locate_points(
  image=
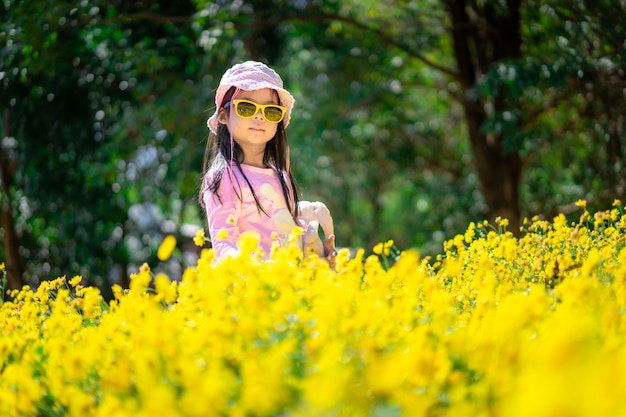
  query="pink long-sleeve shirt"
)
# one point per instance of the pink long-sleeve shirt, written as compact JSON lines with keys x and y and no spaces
{"x":237,"y":215}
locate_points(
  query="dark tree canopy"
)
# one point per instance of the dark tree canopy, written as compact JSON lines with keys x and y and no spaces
{"x":411,"y":118}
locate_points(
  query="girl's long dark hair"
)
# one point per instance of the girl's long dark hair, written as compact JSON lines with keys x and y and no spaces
{"x":217,"y":161}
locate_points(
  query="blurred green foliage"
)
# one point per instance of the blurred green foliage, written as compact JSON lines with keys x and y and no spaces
{"x":105,"y":104}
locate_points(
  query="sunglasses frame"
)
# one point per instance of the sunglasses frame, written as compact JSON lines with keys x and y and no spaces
{"x":258,"y":106}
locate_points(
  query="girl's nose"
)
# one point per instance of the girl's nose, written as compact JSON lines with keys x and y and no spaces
{"x":259,"y":114}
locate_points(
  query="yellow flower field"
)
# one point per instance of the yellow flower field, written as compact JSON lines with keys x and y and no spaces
{"x":496,"y":326}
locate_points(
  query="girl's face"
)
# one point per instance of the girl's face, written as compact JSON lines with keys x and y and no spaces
{"x":251,"y":134}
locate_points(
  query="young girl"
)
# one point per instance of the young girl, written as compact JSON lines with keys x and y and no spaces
{"x":247,"y":184}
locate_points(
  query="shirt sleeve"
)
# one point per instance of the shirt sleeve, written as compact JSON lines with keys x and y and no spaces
{"x":224,"y":215}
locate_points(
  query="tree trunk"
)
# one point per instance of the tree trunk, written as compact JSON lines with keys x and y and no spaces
{"x":14,"y":262}
{"x":483,"y":37}
{"x":499,"y":173}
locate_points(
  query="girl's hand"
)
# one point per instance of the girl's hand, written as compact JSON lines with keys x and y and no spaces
{"x":329,"y":250}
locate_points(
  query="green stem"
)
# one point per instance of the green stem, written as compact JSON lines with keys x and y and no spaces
{"x":3,"y":285}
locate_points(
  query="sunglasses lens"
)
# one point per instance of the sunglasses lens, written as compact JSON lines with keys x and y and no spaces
{"x":248,"y":109}
{"x":245,"y":109}
{"x":273,"y":114}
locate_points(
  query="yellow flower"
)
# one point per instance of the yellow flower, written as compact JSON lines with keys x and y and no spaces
{"x":27,"y":391}
{"x":222,"y":235}
{"x":383,"y":248}
{"x":92,"y":302}
{"x":615,"y":215}
{"x":166,"y":289}
{"x":297,"y":231}
{"x":118,"y":292}
{"x":389,"y":245}
{"x":593,"y":259}
{"x":560,"y":221}
{"x":581,"y":203}
{"x":378,"y":248}
{"x":141,"y":280}
{"x":199,"y":239}
{"x":144,"y":268}
{"x":166,"y":248}
{"x":248,"y":242}
{"x":320,"y":341}
{"x":470,"y":233}
{"x":75,"y":281}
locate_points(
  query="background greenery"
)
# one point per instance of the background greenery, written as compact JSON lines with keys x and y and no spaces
{"x":412,"y":118}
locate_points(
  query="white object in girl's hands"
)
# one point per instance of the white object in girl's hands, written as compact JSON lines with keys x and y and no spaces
{"x":312,"y":215}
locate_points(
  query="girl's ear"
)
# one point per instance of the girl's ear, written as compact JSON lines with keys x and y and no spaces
{"x":222,"y":117}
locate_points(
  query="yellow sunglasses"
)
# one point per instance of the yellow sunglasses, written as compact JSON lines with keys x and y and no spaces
{"x":248,"y":109}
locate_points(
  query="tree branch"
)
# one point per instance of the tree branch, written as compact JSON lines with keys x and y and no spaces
{"x":461,"y":34}
{"x":389,"y":40}
{"x":386,"y":38}
{"x":148,"y":16}
{"x":313,"y":18}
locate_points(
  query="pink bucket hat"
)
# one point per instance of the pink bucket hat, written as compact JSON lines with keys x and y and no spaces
{"x":250,"y":76}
